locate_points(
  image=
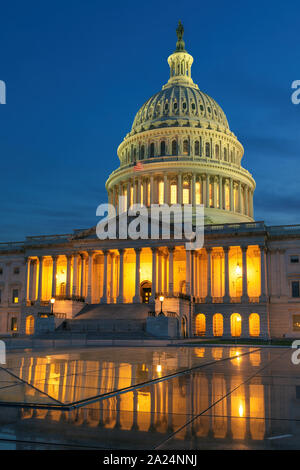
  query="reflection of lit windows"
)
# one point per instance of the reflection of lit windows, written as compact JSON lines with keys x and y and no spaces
{"x":161,"y":192}
{"x":173,"y":193}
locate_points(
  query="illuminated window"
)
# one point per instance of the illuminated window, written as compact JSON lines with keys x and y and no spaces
{"x":142,"y":194}
{"x":161,"y":192}
{"x":200,"y":325}
{"x":15,"y":296}
{"x":185,"y":147}
{"x":198,"y":193}
{"x":236,"y":324}
{"x":218,"y":324}
{"x":30,"y":325}
{"x":152,"y":149}
{"x":211,"y":200}
{"x":174,"y":147}
{"x":13,"y":324}
{"x":254,"y":326}
{"x":207,"y":149}
{"x":197,"y":148}
{"x":173,"y":190}
{"x":227,"y":197}
{"x":163,"y":148}
{"x":296,"y":322}
{"x":186,"y":193}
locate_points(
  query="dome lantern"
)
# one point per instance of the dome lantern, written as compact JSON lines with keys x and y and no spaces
{"x":180,"y":63}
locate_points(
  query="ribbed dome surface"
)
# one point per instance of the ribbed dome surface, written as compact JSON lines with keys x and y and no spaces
{"x":179,"y":106}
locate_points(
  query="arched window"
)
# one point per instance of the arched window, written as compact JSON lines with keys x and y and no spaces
{"x":217,"y":151}
{"x":185,"y":147}
{"x":236,"y":324}
{"x":254,"y":324}
{"x":207,"y":149}
{"x":200,"y":324}
{"x":142,"y":155}
{"x":152,"y":149}
{"x":30,"y":325}
{"x":218,"y":324}
{"x":225,"y":154}
{"x":163,"y":148}
{"x":174,"y":147}
{"x":197,"y":148}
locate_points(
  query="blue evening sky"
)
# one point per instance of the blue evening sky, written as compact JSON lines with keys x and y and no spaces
{"x":78,"y":71}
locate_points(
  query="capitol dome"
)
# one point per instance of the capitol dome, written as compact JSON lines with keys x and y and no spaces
{"x":178,"y":105}
{"x":180,"y":150}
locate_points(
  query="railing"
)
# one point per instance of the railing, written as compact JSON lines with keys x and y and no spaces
{"x":280,"y":229}
{"x":236,"y":227}
{"x":11,"y":245}
{"x":75,"y":298}
{"x":48,"y":237}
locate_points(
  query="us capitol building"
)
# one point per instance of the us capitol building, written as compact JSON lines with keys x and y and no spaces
{"x":244,"y":282}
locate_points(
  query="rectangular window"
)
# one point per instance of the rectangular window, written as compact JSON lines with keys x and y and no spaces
{"x":173,"y":193}
{"x":294,"y":259}
{"x":296,"y":322}
{"x":16,"y":270}
{"x":186,"y":195}
{"x":227,"y":200}
{"x":295,"y":289}
{"x":211,"y":200}
{"x":15,"y":296}
{"x":14,"y":324}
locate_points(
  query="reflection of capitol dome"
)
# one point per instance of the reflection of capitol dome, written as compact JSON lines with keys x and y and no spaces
{"x":188,"y":153}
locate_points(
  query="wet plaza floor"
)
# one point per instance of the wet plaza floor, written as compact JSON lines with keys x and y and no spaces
{"x":151,"y":398}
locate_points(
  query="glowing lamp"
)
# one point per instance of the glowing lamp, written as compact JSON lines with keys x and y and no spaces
{"x":52,"y":301}
{"x":161,"y":299}
{"x":158,"y":368}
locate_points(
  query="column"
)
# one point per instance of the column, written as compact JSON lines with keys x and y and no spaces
{"x":40,"y":286}
{"x":251,"y":204}
{"x":231,"y":194}
{"x":171,"y":274}
{"x":75,"y":275}
{"x":120,"y":299}
{"x":68,"y":283}
{"x":188,"y":272}
{"x":82,"y":275}
{"x":226,"y":294}
{"x":139,"y":184}
{"x":89,"y":295}
{"x":165,"y":273}
{"x":221,"y":192}
{"x":27,"y":279}
{"x":263,"y":295}
{"x":179,"y":188}
{"x":193,"y":190}
{"x":240,"y":198}
{"x":151,"y":189}
{"x":120,"y":208}
{"x":166,"y":190}
{"x":207,"y":191}
{"x":192,"y":277}
{"x":246,"y":201}
{"x":153,"y":289}
{"x":103,"y":299}
{"x":215,"y":192}
{"x":112,"y":266}
{"x":137,"y":297}
{"x":208,"y":297}
{"x":54,"y":269}
{"x":245,"y":297}
{"x":128,"y":193}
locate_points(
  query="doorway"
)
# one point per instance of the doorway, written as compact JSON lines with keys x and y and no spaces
{"x":146,"y":291}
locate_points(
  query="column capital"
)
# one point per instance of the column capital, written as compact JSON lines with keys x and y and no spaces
{"x":244,"y":248}
{"x":138,"y":249}
{"x":69,"y":256}
{"x":54,"y":257}
{"x":121,"y":251}
{"x":226,"y":249}
{"x":208,"y":249}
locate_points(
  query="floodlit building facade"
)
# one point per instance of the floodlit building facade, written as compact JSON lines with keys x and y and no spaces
{"x":244,"y":282}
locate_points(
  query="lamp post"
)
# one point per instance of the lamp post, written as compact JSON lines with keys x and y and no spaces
{"x":52,"y":304}
{"x":161,"y":298}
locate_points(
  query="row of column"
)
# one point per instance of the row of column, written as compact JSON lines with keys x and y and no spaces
{"x":192,"y":274}
{"x":214,"y":191}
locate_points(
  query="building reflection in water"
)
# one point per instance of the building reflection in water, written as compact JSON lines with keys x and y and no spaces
{"x":159,"y":408}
